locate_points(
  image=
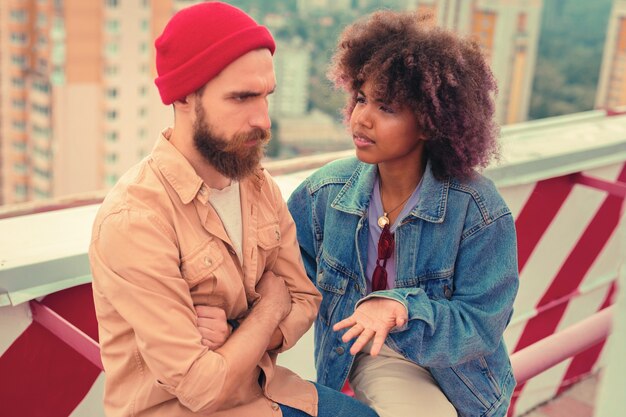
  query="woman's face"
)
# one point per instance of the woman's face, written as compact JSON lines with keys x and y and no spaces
{"x":385,"y":132}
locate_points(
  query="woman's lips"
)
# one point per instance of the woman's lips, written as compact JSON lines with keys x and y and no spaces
{"x":361,"y":141}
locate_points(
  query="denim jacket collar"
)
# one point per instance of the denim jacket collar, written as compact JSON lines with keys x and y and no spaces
{"x":355,"y":195}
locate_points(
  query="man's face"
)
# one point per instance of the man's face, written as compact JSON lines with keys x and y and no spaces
{"x":231,"y":124}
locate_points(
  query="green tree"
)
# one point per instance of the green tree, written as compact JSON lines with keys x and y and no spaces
{"x":569,"y":56}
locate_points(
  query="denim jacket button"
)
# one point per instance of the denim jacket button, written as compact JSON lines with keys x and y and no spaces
{"x":447,"y":292}
{"x":340,"y":350}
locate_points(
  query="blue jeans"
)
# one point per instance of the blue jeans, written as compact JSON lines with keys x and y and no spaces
{"x":332,"y":403}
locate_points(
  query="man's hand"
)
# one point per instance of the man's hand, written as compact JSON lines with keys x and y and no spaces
{"x":213,"y":326}
{"x":373,"y":318}
{"x":275,"y":296}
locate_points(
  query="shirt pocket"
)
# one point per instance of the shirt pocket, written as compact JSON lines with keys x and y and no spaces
{"x":268,"y":239}
{"x":200,"y":264}
{"x":269,"y":236}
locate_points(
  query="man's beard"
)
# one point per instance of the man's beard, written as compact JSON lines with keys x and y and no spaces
{"x":233,"y":159}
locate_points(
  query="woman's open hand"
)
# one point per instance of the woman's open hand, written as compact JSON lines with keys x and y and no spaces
{"x":373,"y":319}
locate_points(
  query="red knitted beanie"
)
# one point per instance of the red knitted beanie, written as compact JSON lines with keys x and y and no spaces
{"x":199,"y":42}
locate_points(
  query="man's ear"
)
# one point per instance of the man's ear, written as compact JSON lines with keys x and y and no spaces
{"x":184,"y":104}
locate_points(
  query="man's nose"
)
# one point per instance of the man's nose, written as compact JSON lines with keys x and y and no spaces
{"x":261,"y":117}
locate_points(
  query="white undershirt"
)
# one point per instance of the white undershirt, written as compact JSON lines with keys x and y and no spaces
{"x":227,"y":204}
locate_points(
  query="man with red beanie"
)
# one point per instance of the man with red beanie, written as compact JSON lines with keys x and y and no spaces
{"x":197,"y":276}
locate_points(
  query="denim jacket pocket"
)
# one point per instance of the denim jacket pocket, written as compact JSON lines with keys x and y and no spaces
{"x":200,"y":264}
{"x":436,"y":284}
{"x":333,"y":284}
{"x":485,"y":389}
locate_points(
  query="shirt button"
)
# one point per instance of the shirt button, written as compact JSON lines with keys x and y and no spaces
{"x":207,"y":261}
{"x":275,"y":406}
{"x":340,"y":350}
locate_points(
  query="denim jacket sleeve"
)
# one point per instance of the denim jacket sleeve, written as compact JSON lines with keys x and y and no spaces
{"x":446,"y":332}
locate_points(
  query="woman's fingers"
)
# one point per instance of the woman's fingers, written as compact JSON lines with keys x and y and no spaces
{"x":354,"y":331}
{"x":365,"y":336}
{"x":345,"y":323}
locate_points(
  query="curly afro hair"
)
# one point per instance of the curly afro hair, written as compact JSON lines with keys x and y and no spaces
{"x":442,"y":76}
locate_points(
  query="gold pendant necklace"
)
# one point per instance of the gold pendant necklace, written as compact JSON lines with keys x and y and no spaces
{"x":384,"y":219}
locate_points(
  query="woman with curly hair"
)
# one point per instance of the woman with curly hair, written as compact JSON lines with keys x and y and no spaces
{"x":412,"y":249}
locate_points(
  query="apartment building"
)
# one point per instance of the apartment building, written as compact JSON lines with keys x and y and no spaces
{"x":508,"y":31}
{"x":292,"y":64}
{"x":612,"y":83}
{"x":78,"y":105}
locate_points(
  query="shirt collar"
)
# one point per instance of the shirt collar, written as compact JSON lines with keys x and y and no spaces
{"x":355,"y":195}
{"x":183,"y":177}
{"x":177,"y":170}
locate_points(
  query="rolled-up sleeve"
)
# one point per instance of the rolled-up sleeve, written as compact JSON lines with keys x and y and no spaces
{"x":135,"y":264}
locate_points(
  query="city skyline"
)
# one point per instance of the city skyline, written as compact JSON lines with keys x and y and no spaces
{"x":78,"y":105}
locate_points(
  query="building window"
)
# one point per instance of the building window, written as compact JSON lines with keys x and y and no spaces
{"x":112,"y":25}
{"x":111,"y":114}
{"x":41,"y":193}
{"x":19,"y":38}
{"x":111,"y":92}
{"x":110,"y":179}
{"x":18,"y":104}
{"x":18,"y":16}
{"x":17,"y":82}
{"x":111,"y":3}
{"x":112,"y":49}
{"x":41,"y":131}
{"x":38,"y":108}
{"x":19,"y":60}
{"x":111,"y":158}
{"x":19,"y":125}
{"x":21,"y":190}
{"x":19,"y":147}
{"x":110,"y":70}
{"x":41,"y":86}
{"x":42,"y":19}
{"x":111,"y":136}
{"x":19,"y":168}
{"x":42,"y":173}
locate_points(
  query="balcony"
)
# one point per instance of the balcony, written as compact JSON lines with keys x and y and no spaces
{"x":563,"y":178}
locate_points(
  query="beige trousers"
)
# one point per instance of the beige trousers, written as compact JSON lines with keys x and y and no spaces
{"x":396,"y":387}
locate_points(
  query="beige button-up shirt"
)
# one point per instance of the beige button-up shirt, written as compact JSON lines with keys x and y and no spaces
{"x":158,"y":248}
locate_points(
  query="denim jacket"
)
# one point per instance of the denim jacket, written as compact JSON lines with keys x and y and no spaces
{"x":456,"y":263}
